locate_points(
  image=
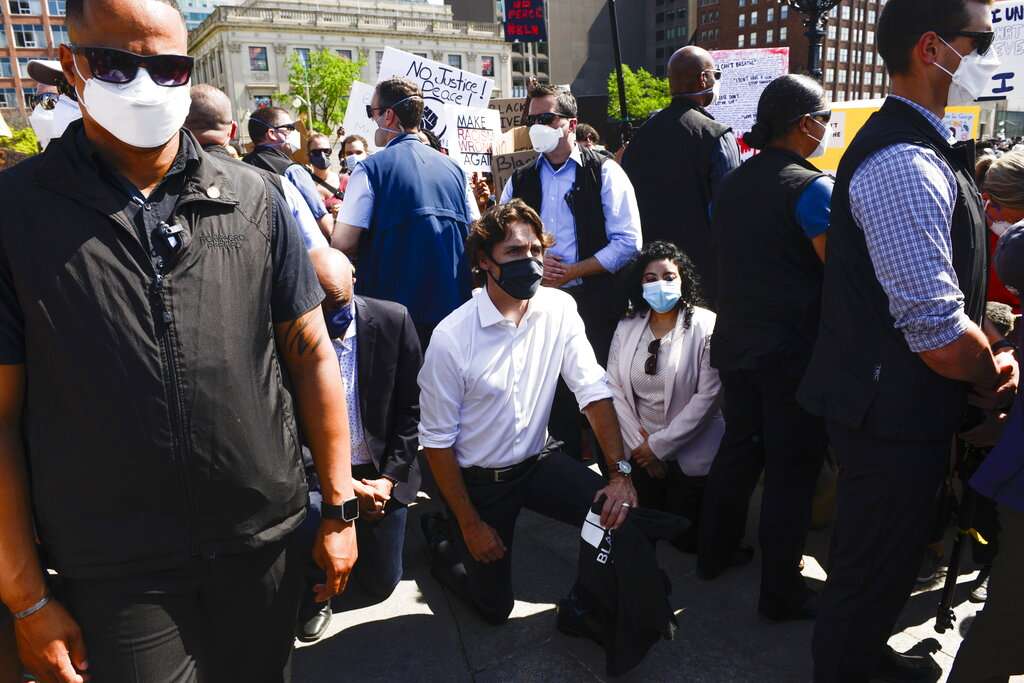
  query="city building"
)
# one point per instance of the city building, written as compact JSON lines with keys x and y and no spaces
{"x":852,"y":69}
{"x":196,"y":11}
{"x":245,"y":51}
{"x":32,"y":30}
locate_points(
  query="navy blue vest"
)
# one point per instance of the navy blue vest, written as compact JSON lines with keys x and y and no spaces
{"x":414,"y":252}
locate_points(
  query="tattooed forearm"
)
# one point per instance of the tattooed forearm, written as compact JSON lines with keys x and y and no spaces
{"x":301,"y":338}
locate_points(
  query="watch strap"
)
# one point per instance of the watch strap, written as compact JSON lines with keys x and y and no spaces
{"x":348,"y":511}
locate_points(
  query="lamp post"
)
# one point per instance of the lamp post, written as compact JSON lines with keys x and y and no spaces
{"x":815,"y":13}
{"x":626,"y":126}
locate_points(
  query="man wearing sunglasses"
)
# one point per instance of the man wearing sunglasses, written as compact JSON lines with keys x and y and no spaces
{"x":588,"y":205}
{"x":55,"y":105}
{"x":677,"y":159}
{"x":903,"y":345}
{"x":156,"y":306}
{"x":276,"y":138}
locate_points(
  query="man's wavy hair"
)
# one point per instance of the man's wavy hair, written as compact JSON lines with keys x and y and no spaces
{"x":492,"y":228}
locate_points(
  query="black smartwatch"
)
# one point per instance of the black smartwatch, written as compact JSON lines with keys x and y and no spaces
{"x":346,"y":512}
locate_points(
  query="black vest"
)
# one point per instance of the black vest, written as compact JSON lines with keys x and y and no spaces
{"x":862,"y":373}
{"x":769,"y":291}
{"x":270,"y":159}
{"x":602,"y":302}
{"x":669,"y":164}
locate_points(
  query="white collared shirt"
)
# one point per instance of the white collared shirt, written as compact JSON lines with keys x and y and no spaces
{"x":486,"y":385}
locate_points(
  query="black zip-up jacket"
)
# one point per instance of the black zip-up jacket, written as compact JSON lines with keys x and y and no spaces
{"x":158,"y":426}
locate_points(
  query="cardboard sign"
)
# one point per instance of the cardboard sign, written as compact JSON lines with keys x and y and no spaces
{"x":524,"y":21}
{"x":356,"y":121}
{"x":504,"y":165}
{"x":511,"y":111}
{"x":472,"y":134}
{"x":745,"y":75}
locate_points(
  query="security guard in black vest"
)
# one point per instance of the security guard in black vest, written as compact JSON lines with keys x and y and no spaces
{"x":588,"y":204}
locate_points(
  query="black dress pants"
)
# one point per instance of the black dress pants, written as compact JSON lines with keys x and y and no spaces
{"x":555,"y":486}
{"x":885,"y":505}
{"x":677,"y":494}
{"x":765,"y":429}
{"x":227,"y":619}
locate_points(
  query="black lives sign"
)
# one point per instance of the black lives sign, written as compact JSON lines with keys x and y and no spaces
{"x":524,"y":21}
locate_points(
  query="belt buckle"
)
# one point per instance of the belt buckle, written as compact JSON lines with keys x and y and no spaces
{"x":498,"y":473}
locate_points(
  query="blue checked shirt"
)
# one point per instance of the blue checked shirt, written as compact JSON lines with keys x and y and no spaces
{"x":902,"y":197}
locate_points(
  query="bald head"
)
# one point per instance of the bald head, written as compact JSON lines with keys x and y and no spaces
{"x":209,"y":117}
{"x":688,"y":69}
{"x":134,"y":18}
{"x":334,"y":271}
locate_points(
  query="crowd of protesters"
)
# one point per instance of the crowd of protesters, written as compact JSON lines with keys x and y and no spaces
{"x":255,"y":362}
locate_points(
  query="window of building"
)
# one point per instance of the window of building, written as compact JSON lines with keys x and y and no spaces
{"x":842,"y":76}
{"x":844,"y":34}
{"x":5,"y":68}
{"x":830,"y":75}
{"x":303,"y":54}
{"x":769,"y":35}
{"x":869,"y":58}
{"x":769,"y":15}
{"x":58,"y":8}
{"x":29,"y":35}
{"x":8,"y":98}
{"x":659,"y":18}
{"x":831,"y":32}
{"x":845,"y":11}
{"x":487,"y":66}
{"x":830,"y":54}
{"x":345,"y":54}
{"x":258,"y":59}
{"x":871,"y":17}
{"x":783,"y":34}
{"x":878,"y":77}
{"x":28,"y":94}
{"x":23,"y":6}
{"x":263,"y":101}
{"x":660,"y":35}
{"x":870,"y":38}
{"x":60,"y":35}
{"x":753,"y":40}
{"x":455,"y":60}
{"x":23,"y":66}
{"x":741,"y":40}
{"x":378,"y":58}
{"x":753,"y":18}
{"x":784,"y":12}
{"x":742,"y":21}
{"x":840,"y":96}
{"x":743,"y":3}
{"x":844,"y":55}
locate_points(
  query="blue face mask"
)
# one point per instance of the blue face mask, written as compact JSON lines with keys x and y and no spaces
{"x":339,"y":320}
{"x":663,"y":295}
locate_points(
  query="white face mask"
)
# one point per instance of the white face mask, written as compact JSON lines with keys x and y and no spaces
{"x":971,"y":77}
{"x":998,"y":228}
{"x":50,"y":124}
{"x":544,"y":138}
{"x":823,"y":141}
{"x":292,"y":142}
{"x":141,"y":113}
{"x":352,"y":160}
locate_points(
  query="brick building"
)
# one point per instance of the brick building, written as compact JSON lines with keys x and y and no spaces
{"x":32,"y":29}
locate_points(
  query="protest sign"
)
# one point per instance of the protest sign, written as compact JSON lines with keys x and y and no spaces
{"x":1008,"y":81}
{"x":356,"y":121}
{"x":849,"y":117}
{"x":504,"y":165}
{"x":473,"y":133}
{"x":524,"y":21}
{"x":745,"y":75}
{"x":442,"y":85}
{"x":511,"y":112}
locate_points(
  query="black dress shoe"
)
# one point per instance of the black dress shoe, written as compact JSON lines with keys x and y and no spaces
{"x":807,"y":610}
{"x":896,"y":667}
{"x":311,"y":628}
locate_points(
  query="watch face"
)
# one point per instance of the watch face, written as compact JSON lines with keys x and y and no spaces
{"x":625,"y":467}
{"x":350,"y":509}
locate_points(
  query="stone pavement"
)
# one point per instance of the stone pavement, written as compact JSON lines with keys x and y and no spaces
{"x":422,"y":633}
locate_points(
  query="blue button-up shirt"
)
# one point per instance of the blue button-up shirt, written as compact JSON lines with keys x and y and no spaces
{"x":347,"y":351}
{"x":621,"y":215}
{"x":902,"y":197}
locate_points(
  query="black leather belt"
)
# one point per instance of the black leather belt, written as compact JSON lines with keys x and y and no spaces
{"x":486,"y":475}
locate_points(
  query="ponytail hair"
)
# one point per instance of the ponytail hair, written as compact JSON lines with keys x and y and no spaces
{"x":782,"y":103}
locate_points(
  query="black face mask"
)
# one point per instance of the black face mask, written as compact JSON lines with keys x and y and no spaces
{"x":320,"y":160}
{"x":521,"y":279}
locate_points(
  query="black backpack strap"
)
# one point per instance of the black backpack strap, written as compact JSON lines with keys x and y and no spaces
{"x":335,"y":192}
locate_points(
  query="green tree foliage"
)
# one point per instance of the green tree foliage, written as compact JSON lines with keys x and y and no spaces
{"x":645,"y":93}
{"x":328,"y":81}
{"x":24,"y":141}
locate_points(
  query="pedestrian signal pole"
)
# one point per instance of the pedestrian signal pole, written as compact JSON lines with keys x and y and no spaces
{"x":625,"y":125}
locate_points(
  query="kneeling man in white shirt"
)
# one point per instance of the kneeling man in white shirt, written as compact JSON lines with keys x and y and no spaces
{"x":486,"y":389}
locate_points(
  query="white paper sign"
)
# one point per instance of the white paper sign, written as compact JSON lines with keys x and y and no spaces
{"x":837,"y":130}
{"x":356,"y":122}
{"x":442,"y":86}
{"x":472,"y":132}
{"x":745,"y":75}
{"x":1008,"y":81}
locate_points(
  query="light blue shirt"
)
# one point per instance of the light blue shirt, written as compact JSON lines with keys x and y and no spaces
{"x":347,"y":351}
{"x":621,"y":215}
{"x":304,"y":183}
{"x":308,"y":227}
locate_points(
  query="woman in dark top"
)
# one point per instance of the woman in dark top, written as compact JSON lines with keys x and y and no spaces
{"x":770,"y":219}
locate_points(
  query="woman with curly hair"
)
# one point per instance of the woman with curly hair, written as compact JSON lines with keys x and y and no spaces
{"x":665,"y":391}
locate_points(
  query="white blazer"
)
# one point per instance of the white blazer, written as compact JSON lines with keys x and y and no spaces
{"x":693,"y":412}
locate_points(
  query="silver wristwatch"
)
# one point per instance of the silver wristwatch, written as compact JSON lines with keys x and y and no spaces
{"x":624,"y":468}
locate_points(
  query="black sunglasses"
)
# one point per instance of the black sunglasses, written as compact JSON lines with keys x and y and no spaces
{"x":982,"y":39}
{"x":120,"y":66}
{"x":545,"y":119}
{"x":46,"y":100}
{"x":286,"y":126}
{"x":717,"y":73}
{"x":651,"y":366}
{"x":325,"y":152}
{"x":821,"y":114}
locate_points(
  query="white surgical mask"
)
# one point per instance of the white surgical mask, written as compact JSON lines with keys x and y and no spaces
{"x":544,"y":138}
{"x":971,"y":77}
{"x":140,"y":113}
{"x":1000,"y":227}
{"x":352,"y":159}
{"x":823,"y":141}
{"x":50,"y":124}
{"x":292,"y":142}
{"x":663,"y":295}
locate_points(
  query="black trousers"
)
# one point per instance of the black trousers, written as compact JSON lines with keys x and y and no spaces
{"x":678,"y":494}
{"x":765,"y":429}
{"x":992,"y":649}
{"x":227,"y":619}
{"x":556,"y":486}
{"x":885,"y":505}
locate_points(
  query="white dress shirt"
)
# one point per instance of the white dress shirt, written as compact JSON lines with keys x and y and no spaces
{"x":621,"y":213}
{"x":348,"y":359}
{"x":486,"y":385}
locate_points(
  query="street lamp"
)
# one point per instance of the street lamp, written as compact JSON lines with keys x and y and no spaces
{"x":815,"y":17}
